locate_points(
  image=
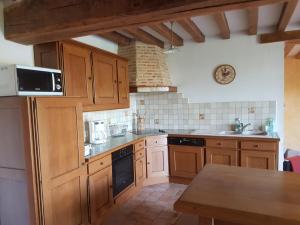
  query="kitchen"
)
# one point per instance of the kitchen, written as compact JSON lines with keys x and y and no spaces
{"x":172,"y":114}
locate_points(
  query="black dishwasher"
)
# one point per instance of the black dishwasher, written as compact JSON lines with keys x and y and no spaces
{"x":122,"y":169}
{"x":186,"y":141}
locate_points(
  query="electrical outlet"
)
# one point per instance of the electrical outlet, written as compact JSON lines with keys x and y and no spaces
{"x":251,"y":110}
{"x":142,"y":102}
{"x":156,"y":121}
{"x":201,"y":116}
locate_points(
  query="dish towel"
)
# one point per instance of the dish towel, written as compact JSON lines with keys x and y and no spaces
{"x":295,"y":161}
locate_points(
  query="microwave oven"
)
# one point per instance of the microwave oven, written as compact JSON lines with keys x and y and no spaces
{"x":29,"y":81}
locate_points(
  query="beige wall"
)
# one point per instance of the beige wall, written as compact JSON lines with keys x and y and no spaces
{"x":292,"y":103}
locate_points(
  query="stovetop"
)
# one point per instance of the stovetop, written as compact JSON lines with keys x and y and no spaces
{"x":148,"y":131}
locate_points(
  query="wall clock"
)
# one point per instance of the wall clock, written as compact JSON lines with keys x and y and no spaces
{"x":224,"y":74}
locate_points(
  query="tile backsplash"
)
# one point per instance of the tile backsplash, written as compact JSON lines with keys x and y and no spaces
{"x":173,"y":111}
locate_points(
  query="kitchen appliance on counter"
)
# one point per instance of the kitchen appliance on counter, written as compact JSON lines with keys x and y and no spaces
{"x":122,"y":169}
{"x":97,"y":132}
{"x":118,"y":130}
{"x":17,"y":80}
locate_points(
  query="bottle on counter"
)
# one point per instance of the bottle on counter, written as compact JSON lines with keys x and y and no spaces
{"x":269,"y":126}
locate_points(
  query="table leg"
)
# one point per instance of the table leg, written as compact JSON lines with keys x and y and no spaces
{"x":205,"y":221}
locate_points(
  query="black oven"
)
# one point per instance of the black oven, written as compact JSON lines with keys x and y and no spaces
{"x":122,"y":169}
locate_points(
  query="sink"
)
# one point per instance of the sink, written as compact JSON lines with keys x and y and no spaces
{"x":228,"y":132}
{"x":246,"y":133}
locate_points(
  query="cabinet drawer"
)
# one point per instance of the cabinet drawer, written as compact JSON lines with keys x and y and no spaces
{"x":259,"y":145}
{"x":140,"y":154}
{"x":157,"y":141}
{"x":99,"y":164}
{"x":222,"y":143}
{"x":139,"y":146}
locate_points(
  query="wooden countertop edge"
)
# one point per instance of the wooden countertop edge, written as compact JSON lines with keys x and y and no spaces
{"x":230,"y":215}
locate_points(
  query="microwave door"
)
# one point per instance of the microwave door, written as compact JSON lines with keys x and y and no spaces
{"x":35,"y":81}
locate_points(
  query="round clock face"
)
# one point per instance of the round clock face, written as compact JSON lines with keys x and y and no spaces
{"x":224,"y":74}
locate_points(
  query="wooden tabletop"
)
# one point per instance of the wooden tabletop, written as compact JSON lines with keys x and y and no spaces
{"x":243,"y":196}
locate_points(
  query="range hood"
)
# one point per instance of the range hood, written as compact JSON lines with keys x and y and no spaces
{"x":147,"y":68}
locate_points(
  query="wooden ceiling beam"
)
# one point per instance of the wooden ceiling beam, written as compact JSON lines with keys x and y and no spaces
{"x":286,"y":14}
{"x":222,"y":23}
{"x":117,"y":37}
{"x":280,"y":36}
{"x":167,"y":33}
{"x":145,"y":37}
{"x":253,"y":20}
{"x":288,"y":48}
{"x":33,"y":22}
{"x":190,"y":27}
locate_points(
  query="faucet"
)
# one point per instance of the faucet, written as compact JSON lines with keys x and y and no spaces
{"x":240,"y":127}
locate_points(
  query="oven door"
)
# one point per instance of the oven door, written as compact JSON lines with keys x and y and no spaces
{"x":123,"y":175}
{"x":35,"y":82}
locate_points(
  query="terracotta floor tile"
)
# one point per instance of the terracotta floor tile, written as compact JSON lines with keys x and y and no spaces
{"x":153,"y":205}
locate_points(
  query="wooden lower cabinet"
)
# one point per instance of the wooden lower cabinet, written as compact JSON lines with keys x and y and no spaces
{"x":258,"y":159}
{"x":157,"y":161}
{"x":222,"y":156}
{"x":185,"y":161}
{"x":100,"y":193}
{"x":140,"y":171}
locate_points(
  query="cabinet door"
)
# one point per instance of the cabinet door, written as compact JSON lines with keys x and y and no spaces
{"x":100,"y":193}
{"x":140,"y":171}
{"x":63,"y":174}
{"x":157,"y":161}
{"x":77,"y":72}
{"x":105,"y":80}
{"x":221,"y":156}
{"x":185,"y":161}
{"x":123,"y":83}
{"x":259,"y":160}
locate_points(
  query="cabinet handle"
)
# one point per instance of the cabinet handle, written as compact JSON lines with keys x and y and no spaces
{"x":141,"y":153}
{"x":116,"y":81}
{"x":148,"y":163}
{"x":219,"y":143}
{"x":255,"y":146}
{"x":90,"y":78}
{"x":82,"y":163}
{"x":141,"y":161}
{"x":101,"y":163}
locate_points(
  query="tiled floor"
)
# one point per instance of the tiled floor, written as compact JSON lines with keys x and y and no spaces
{"x":153,"y":205}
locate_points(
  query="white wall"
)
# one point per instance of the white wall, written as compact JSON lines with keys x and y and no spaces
{"x":10,"y":52}
{"x":259,"y":68}
{"x":13,"y":53}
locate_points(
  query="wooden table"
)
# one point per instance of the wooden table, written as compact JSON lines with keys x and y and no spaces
{"x":224,"y":195}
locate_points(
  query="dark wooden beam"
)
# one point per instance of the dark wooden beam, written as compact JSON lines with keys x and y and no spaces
{"x":189,"y":26}
{"x":116,"y":37}
{"x":286,"y":14}
{"x":33,"y":22}
{"x":288,"y":48}
{"x":222,"y":23}
{"x":280,"y":36}
{"x":253,"y":20}
{"x":166,"y":32}
{"x":145,"y":37}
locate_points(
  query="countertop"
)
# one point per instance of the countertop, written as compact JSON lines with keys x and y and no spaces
{"x":243,"y":196}
{"x":119,"y":142}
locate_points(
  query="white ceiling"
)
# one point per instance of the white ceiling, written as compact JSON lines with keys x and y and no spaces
{"x":238,"y":22}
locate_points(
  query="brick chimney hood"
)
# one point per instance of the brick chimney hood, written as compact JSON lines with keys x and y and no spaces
{"x":147,"y":68}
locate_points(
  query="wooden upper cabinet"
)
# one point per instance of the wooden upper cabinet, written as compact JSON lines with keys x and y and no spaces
{"x":123,"y":83}
{"x":99,"y":78}
{"x":105,"y":79}
{"x":63,"y":174}
{"x":77,"y":72}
